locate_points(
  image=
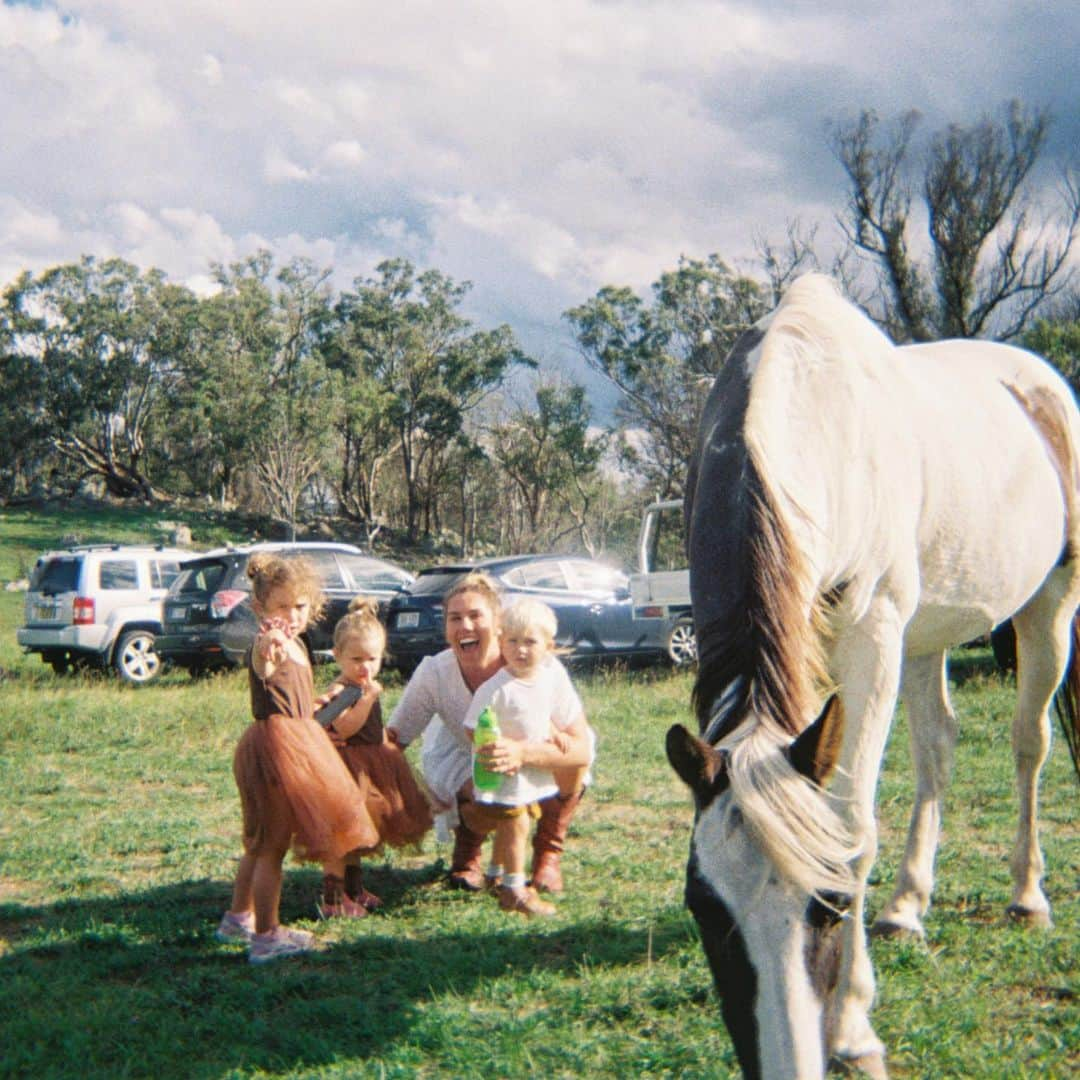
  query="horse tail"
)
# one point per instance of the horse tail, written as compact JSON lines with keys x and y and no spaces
{"x":1067,"y":699}
{"x":1046,"y":411}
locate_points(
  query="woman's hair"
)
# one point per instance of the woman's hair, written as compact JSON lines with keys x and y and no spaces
{"x":478,"y":582}
{"x":530,"y":614}
{"x":268,"y":572}
{"x":361,"y":619}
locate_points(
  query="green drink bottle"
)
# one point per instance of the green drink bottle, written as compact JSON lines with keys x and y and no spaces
{"x":487,"y":731}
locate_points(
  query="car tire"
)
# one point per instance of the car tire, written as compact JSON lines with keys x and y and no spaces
{"x":135,"y":659}
{"x":682,"y":642}
{"x":59,"y":662}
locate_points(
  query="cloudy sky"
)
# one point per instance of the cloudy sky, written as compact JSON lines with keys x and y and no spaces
{"x":538,"y":150}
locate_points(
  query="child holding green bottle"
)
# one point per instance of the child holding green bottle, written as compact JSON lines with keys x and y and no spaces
{"x":532,"y":700}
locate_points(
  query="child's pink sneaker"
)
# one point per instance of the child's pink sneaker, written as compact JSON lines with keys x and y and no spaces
{"x":236,"y":927}
{"x":279,"y":943}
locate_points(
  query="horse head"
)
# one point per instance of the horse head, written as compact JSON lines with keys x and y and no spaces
{"x":772,"y":944}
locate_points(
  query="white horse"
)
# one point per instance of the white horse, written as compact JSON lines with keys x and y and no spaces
{"x":855,"y":509}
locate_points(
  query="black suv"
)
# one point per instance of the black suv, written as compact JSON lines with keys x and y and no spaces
{"x":208,"y":619}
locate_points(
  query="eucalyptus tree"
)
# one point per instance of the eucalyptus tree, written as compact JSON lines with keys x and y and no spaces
{"x":993,"y":257}
{"x":102,"y":343}
{"x":663,"y":355}
{"x":255,"y":400}
{"x":1058,"y":339}
{"x":25,"y":449}
{"x":549,"y":460}
{"x":417,"y":367}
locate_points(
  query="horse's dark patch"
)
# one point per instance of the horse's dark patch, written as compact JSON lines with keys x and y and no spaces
{"x":733,"y":974}
{"x":698,"y":765}
{"x":824,"y":917}
{"x":755,"y":650}
{"x":721,"y":452}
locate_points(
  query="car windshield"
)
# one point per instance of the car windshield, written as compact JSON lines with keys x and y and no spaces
{"x":56,"y":575}
{"x":206,"y":577}
{"x":373,"y":574}
{"x":436,"y":582}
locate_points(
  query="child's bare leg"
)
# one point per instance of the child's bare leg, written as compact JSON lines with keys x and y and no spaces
{"x":243,"y":898}
{"x":266,"y":888}
{"x":513,"y":895}
{"x":508,"y":849}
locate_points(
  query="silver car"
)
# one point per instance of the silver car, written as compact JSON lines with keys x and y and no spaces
{"x":100,"y":605}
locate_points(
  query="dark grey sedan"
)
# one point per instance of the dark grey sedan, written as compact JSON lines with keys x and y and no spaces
{"x":591,"y":602}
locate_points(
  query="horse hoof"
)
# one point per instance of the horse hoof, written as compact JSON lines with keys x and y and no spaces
{"x":1023,"y":916}
{"x":892,"y":931}
{"x":872,"y":1065}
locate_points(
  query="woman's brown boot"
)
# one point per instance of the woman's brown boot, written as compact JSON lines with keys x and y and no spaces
{"x":466,"y":863}
{"x":556,"y":814}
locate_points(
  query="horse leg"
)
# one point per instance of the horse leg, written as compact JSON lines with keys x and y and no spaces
{"x":1043,"y":630}
{"x":866,"y":663}
{"x":932,"y":725}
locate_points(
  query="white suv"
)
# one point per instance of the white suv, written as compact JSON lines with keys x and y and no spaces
{"x":100,"y":605}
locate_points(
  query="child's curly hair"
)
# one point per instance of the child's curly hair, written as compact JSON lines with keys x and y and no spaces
{"x":362,"y":618}
{"x":269,"y":571}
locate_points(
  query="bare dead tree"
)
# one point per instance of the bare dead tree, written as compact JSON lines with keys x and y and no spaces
{"x":994,"y":258}
{"x":282,"y":473}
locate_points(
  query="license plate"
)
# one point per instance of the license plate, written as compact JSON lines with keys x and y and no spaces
{"x":45,"y":611}
{"x":176,"y":614}
{"x":407,"y":620}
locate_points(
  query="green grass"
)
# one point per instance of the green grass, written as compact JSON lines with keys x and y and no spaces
{"x":119,"y":838}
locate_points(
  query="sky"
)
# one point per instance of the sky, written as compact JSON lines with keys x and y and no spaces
{"x":537,"y":150}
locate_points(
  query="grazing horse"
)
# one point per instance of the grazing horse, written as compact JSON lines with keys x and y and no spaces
{"x":854,"y":509}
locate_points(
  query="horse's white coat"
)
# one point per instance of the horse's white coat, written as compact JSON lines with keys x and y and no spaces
{"x":915,"y":478}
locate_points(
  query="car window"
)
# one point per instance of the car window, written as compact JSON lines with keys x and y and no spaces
{"x":163,"y":573}
{"x":434,"y":582}
{"x":593,"y":577}
{"x":118,"y":574}
{"x":538,"y":575}
{"x":372,"y":574}
{"x":56,"y":575}
{"x":204,"y":578}
{"x":325,"y":563}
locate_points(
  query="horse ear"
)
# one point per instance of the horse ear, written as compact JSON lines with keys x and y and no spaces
{"x":816,"y":750}
{"x":699,"y":765}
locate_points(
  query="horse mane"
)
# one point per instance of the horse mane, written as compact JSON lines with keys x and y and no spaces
{"x":761,"y":670}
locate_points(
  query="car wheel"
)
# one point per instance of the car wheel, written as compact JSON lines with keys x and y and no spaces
{"x":59,"y":662}
{"x":135,"y":659}
{"x":682,"y":642}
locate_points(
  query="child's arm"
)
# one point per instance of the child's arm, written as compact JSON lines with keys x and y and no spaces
{"x":270,"y":647}
{"x":356,"y":716}
{"x":560,"y":738}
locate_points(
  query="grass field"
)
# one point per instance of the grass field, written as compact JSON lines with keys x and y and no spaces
{"x":119,"y":837}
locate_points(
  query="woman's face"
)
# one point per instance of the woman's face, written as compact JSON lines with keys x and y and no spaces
{"x":472,"y":629}
{"x":283,"y":603}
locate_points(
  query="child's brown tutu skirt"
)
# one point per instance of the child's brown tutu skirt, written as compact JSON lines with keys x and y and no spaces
{"x":393,"y":797}
{"x":295,"y":790}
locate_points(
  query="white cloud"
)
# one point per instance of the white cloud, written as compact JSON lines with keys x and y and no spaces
{"x":279,"y":169}
{"x":539,"y":150}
